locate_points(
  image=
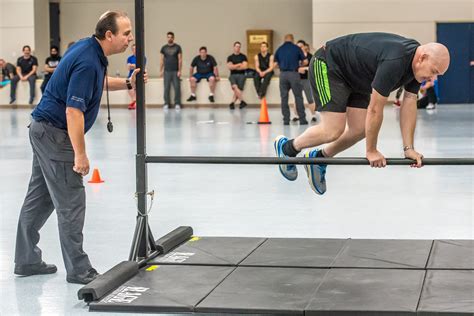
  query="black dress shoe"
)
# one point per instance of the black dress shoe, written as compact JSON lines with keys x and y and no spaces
{"x":314,"y":119}
{"x":242,"y":104}
{"x":295,"y":119}
{"x":211,"y":98}
{"x":33,"y":269}
{"x":191,"y":98}
{"x":303,"y":122}
{"x":232,"y":106}
{"x":85,"y":278}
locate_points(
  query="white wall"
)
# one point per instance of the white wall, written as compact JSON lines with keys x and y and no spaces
{"x":213,"y":23}
{"x":41,"y":27}
{"x":412,"y":18}
{"x":16,"y":27}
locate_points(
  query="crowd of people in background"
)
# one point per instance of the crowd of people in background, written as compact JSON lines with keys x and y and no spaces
{"x":291,"y":59}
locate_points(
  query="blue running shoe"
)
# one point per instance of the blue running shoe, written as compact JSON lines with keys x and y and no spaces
{"x":288,"y":171}
{"x":316,"y":173}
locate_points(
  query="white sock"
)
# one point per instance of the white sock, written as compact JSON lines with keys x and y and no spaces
{"x":211,"y":94}
{"x":193,"y":94}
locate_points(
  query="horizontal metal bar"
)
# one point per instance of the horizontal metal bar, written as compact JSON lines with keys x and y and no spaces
{"x":298,"y":160}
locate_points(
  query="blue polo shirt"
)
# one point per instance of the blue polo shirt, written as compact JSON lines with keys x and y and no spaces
{"x":77,"y":82}
{"x":288,"y":57}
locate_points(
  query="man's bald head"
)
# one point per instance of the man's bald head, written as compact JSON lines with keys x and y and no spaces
{"x":289,"y":38}
{"x":440,"y":55}
{"x":430,"y":60}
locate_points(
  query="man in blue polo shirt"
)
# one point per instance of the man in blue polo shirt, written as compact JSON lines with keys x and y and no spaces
{"x":67,"y":110}
{"x":289,"y":58}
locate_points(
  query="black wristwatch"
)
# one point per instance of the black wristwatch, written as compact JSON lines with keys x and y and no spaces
{"x":129,"y":84}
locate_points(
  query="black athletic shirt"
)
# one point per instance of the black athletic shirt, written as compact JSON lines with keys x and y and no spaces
{"x":171,"y":56}
{"x":52,"y":62}
{"x":237,"y":59}
{"x":305,"y":75}
{"x":204,"y":66}
{"x":381,"y":61}
{"x":26,"y":65}
{"x":264,"y":62}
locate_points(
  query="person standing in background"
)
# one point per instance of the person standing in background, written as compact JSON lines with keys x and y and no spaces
{"x":170,"y":69}
{"x":289,"y":58}
{"x":303,"y":70}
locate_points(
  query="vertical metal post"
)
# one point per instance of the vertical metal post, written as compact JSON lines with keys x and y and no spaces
{"x":141,"y":242}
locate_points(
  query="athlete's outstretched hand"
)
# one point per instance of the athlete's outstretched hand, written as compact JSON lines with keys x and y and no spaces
{"x":376,"y":159}
{"x":412,"y":154}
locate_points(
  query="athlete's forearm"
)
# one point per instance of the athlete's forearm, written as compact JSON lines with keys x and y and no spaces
{"x":408,"y":112}
{"x":373,"y":121}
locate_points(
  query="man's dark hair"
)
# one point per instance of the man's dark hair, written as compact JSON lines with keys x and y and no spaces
{"x":26,"y":46}
{"x":108,"y":22}
{"x":203,"y":48}
{"x":170,"y":33}
{"x":301,"y":42}
{"x":54,"y":47}
{"x":264,"y":43}
{"x":235,"y":43}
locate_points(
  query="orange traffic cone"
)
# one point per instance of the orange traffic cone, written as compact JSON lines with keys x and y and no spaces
{"x":96,"y":177}
{"x":264,"y":119}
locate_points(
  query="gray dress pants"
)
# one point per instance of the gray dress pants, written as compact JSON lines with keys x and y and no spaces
{"x":53,"y":185}
{"x":171,"y":78}
{"x":291,"y":80}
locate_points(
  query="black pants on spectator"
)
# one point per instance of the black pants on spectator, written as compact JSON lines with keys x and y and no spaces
{"x":14,"y":83}
{"x":399,"y":92}
{"x":45,"y":83}
{"x":430,"y":97}
{"x":261,"y":83}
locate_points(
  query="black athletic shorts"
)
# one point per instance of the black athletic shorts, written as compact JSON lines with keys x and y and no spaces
{"x":331,"y":93}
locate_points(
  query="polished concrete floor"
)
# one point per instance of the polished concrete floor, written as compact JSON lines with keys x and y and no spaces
{"x":434,"y":202}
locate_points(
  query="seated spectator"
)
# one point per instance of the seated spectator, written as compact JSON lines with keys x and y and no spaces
{"x":50,"y":65}
{"x":264,"y":65}
{"x":206,"y":68}
{"x":237,"y":64}
{"x":429,"y":99}
{"x":131,"y":65}
{"x":8,"y":71}
{"x":26,"y":67}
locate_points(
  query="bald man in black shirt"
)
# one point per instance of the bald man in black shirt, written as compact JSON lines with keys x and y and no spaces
{"x":351,"y":78}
